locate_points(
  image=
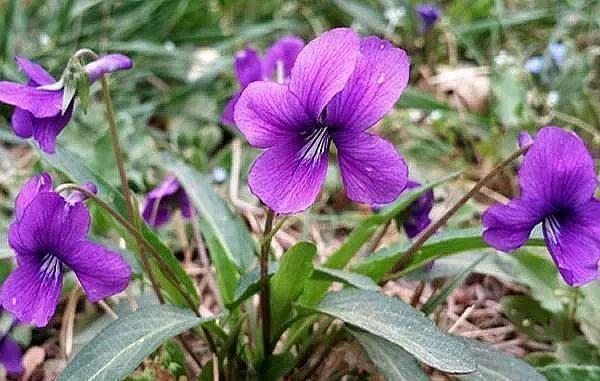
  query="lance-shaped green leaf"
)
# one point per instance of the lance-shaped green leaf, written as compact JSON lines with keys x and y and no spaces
{"x":120,"y":347}
{"x":227,"y":228}
{"x":295,"y":268}
{"x":493,"y":365}
{"x":393,"y":362}
{"x":571,"y":372}
{"x":361,"y":234}
{"x":74,"y":168}
{"x":440,"y":245}
{"x":399,"y":323}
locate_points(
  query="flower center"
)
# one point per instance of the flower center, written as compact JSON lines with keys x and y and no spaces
{"x":316,"y":143}
{"x":552,"y":226}
{"x":51,"y":267}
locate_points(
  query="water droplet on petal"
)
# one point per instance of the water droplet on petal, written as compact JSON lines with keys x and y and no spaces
{"x":13,"y":300}
{"x":382,"y":46}
{"x":381,"y":79}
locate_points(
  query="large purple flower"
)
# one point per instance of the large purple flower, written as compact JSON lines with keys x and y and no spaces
{"x":558,"y":182}
{"x":38,"y":112}
{"x":49,"y":232}
{"x":163,"y":200}
{"x":429,"y":15}
{"x":339,"y":87}
{"x":249,"y":67}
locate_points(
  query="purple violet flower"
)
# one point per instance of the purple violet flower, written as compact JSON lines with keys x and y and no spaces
{"x":163,"y":200}
{"x":339,"y":87}
{"x":416,"y":218}
{"x":38,"y":112}
{"x":48,"y":232}
{"x":558,"y":182}
{"x":429,"y":15}
{"x":524,"y":139}
{"x":250,"y":68}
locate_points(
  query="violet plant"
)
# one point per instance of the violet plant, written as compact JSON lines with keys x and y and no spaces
{"x":278,"y":317}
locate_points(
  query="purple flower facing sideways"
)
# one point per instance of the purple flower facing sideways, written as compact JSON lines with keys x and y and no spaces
{"x":417,"y":218}
{"x":429,"y":15}
{"x":558,"y":182}
{"x":339,"y":87}
{"x":11,"y":355}
{"x":38,"y":112}
{"x":163,"y":200}
{"x":48,"y":233}
{"x":249,"y":67}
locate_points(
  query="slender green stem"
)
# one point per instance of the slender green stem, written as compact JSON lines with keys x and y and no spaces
{"x":165,"y":268}
{"x":434,"y":227}
{"x":265,"y":302}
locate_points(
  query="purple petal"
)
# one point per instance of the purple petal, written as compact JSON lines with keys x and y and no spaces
{"x":286,"y":181}
{"x":184,"y":204}
{"x":156,"y":213}
{"x":248,"y":67}
{"x":77,"y":196}
{"x":227,"y":117}
{"x":48,"y":224}
{"x":40,"y":103}
{"x":574,"y":243}
{"x":22,"y":123}
{"x":33,"y":187}
{"x":168,"y":187}
{"x":524,"y":139}
{"x":107,"y":64}
{"x":268,"y":113}
{"x":323,"y":67}
{"x":35,"y":72}
{"x":507,"y":227}
{"x":380,"y":77}
{"x":284,"y":50}
{"x":372,"y":170}
{"x":11,"y":356}
{"x":558,"y":170}
{"x":101,"y":272}
{"x":46,"y":130}
{"x":417,"y":218}
{"x":32,"y":290}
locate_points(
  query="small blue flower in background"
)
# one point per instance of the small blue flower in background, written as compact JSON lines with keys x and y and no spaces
{"x":219,"y":175}
{"x":558,"y":53}
{"x":535,"y":64}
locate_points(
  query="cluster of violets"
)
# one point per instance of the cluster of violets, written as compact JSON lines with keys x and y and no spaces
{"x":295,"y":103}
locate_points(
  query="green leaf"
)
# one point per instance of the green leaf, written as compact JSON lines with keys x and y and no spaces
{"x":588,"y":312}
{"x":364,"y":14}
{"x":295,"y":268}
{"x":226,"y":227}
{"x":571,"y":372}
{"x":397,"y":322}
{"x":74,"y":168}
{"x":119,"y":348}
{"x":393,"y":362}
{"x":346,"y":277}
{"x":440,"y":245}
{"x":533,"y":320}
{"x":493,"y":365}
{"x":438,"y":299}
{"x":248,"y":284}
{"x":361,"y":234}
{"x":277,"y":366}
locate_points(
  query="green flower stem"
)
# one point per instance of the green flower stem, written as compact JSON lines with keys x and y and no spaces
{"x":165,"y":268}
{"x":265,"y":302}
{"x":396,"y":271}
